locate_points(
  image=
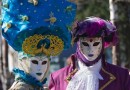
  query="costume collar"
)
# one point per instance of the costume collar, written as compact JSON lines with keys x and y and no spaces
{"x":108,"y":77}
{"x":24,"y":77}
{"x":94,"y":69}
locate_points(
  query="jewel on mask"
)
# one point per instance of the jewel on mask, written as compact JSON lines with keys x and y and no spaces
{"x":91,"y":40}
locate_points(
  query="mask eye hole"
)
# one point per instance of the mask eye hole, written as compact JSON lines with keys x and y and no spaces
{"x":34,"y":61}
{"x":44,"y":62}
{"x":96,"y":44}
{"x":85,"y":44}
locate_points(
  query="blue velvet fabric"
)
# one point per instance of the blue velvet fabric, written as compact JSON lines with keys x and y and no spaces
{"x":37,"y":23}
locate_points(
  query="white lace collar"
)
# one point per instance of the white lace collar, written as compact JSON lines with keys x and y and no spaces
{"x":95,"y":69}
{"x":86,"y":78}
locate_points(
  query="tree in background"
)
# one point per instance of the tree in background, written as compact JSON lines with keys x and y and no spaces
{"x":4,"y":70}
{"x":123,"y":25}
{"x":99,"y":8}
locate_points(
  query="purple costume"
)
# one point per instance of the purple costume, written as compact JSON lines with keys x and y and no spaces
{"x":114,"y":77}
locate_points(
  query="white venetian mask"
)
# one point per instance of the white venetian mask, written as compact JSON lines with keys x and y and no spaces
{"x":91,"y":47}
{"x":36,"y":66}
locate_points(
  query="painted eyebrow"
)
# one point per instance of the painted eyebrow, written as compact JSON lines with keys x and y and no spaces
{"x":34,"y":61}
{"x":44,"y":62}
{"x":96,"y":43}
{"x":85,"y":43}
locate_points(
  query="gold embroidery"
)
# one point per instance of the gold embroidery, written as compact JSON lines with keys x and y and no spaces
{"x":29,"y":46}
{"x":68,"y":78}
{"x":52,"y":19}
{"x":8,"y":25}
{"x":35,"y":2}
{"x":25,"y":18}
{"x":112,"y":78}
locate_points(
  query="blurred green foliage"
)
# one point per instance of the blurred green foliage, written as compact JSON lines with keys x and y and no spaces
{"x":99,"y":8}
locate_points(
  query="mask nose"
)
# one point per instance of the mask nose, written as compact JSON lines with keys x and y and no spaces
{"x":90,"y":49}
{"x":39,"y":67}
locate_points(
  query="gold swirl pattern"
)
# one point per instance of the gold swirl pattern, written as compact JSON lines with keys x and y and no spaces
{"x":29,"y":46}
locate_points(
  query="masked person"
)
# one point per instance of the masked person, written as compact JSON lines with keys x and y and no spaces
{"x":88,"y":69}
{"x":37,"y":30}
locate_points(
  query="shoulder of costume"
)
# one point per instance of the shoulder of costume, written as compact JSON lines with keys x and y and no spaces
{"x":115,"y":68}
{"x":21,"y":86}
{"x":62,"y":71}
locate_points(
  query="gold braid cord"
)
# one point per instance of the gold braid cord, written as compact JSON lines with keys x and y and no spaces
{"x":29,"y":46}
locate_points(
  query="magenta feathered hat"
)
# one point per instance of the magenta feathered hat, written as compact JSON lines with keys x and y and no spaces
{"x":96,"y":27}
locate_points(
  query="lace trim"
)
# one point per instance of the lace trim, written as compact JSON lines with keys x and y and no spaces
{"x":84,"y":81}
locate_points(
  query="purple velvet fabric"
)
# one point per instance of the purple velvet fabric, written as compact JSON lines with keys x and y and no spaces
{"x":122,"y":81}
{"x":96,"y":27}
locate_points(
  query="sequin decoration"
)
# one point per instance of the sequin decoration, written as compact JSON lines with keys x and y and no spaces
{"x":8,"y":25}
{"x":35,"y":2}
{"x":30,"y":45}
{"x":52,"y":19}
{"x":25,"y":18}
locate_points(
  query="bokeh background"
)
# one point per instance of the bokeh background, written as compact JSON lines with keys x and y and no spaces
{"x":117,"y":11}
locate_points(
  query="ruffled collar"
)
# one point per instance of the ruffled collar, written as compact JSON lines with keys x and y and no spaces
{"x":22,"y":76}
{"x":94,"y":69}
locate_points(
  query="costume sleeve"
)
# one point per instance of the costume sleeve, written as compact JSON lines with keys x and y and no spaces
{"x":127,"y":81}
{"x":51,"y":83}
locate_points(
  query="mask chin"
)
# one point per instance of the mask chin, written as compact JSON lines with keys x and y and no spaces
{"x":90,"y":57}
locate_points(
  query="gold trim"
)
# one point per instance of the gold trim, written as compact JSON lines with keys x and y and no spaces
{"x":68,"y":78}
{"x":112,"y":78}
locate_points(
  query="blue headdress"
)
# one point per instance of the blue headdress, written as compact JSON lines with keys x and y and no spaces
{"x":38,"y":26}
